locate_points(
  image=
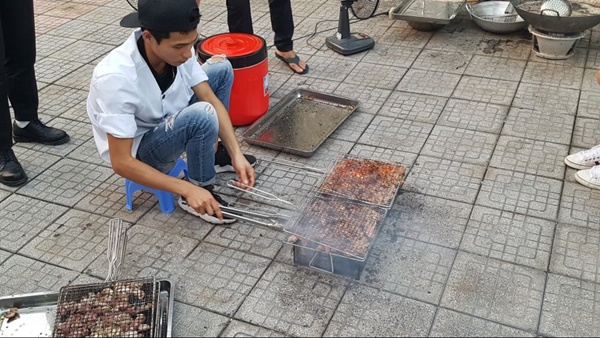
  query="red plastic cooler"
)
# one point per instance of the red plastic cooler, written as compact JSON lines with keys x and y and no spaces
{"x":248,"y":56}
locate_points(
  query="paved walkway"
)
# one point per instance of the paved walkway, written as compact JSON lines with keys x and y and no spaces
{"x":489,"y":236}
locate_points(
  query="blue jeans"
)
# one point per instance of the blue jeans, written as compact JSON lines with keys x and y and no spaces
{"x":220,"y":78}
{"x":194,"y":130}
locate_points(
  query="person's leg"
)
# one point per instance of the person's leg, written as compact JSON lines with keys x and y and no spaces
{"x":239,"y":17}
{"x":282,"y":22}
{"x":19,"y":50}
{"x":220,"y":77}
{"x":5,"y":121}
{"x":19,"y":38}
{"x":11,"y":171}
{"x":193,"y":130}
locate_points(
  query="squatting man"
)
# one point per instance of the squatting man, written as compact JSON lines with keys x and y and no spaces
{"x":150,"y":101}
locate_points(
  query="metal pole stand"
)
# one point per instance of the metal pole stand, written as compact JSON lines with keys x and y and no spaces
{"x":343,"y":41}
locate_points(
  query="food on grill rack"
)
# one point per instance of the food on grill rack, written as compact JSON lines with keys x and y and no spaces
{"x":10,"y":315}
{"x":366,"y":180}
{"x":340,"y":224}
{"x":117,"y":311}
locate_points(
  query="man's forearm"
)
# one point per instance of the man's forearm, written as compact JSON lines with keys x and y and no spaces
{"x":227,"y":134}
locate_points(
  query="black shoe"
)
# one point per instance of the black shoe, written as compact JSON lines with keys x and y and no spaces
{"x":210,"y":219}
{"x":11,"y":171}
{"x":36,"y":131}
{"x":223,"y":161}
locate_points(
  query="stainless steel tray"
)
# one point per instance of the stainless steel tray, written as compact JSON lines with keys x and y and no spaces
{"x":430,"y":11}
{"x":37,"y":312}
{"x":36,"y":315}
{"x":300,"y":122}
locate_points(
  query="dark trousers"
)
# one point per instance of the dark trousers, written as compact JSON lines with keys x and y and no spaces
{"x":17,"y":75}
{"x":239,"y":20}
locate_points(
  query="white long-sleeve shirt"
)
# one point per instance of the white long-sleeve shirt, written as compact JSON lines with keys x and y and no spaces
{"x":125,"y":100}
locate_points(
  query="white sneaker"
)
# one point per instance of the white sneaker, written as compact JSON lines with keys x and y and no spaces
{"x":208,"y":218}
{"x":584,"y":159}
{"x":589,"y":177}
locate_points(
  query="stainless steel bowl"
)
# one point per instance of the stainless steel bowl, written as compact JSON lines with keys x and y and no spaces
{"x":491,"y":16}
{"x":556,"y":8}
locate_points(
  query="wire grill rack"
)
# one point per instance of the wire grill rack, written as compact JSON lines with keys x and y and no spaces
{"x":367,"y":181}
{"x":124,"y":308}
{"x":339,"y":225}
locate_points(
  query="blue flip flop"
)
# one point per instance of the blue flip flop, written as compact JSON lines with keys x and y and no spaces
{"x":295,"y":60}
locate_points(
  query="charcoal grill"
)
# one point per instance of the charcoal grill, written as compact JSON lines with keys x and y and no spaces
{"x":335,"y":234}
{"x":333,"y":215}
{"x":124,"y":308}
{"x":338,"y":225}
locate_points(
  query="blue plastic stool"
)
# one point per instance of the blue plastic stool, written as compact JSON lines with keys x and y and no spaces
{"x":165,"y":198}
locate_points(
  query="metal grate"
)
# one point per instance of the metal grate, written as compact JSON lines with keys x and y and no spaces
{"x":339,"y":224}
{"x":368,"y":181}
{"x":124,"y":308}
{"x":292,"y":182}
{"x":341,"y":212}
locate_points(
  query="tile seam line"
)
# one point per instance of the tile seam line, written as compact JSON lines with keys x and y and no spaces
{"x":487,"y":320}
{"x":562,"y":189}
{"x":50,"y":223}
{"x":19,"y":254}
{"x":445,"y":290}
{"x":409,"y":171}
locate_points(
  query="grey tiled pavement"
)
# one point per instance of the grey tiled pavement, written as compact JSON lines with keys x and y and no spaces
{"x":489,"y":235}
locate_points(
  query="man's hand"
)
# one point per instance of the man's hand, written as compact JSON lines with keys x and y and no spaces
{"x":598,"y":76}
{"x":202,"y":201}
{"x":243,"y":169}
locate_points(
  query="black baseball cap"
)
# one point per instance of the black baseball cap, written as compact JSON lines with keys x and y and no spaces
{"x":164,"y":15}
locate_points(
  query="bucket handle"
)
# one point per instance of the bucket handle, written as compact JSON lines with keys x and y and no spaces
{"x":469,"y":9}
{"x":551,"y":10}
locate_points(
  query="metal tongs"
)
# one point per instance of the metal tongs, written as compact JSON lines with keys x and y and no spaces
{"x":117,"y":245}
{"x":260,"y":217}
{"x":257,"y":192}
{"x":268,"y":219}
{"x":294,"y":165}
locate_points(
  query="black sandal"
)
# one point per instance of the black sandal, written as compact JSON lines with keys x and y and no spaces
{"x":293,"y":60}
